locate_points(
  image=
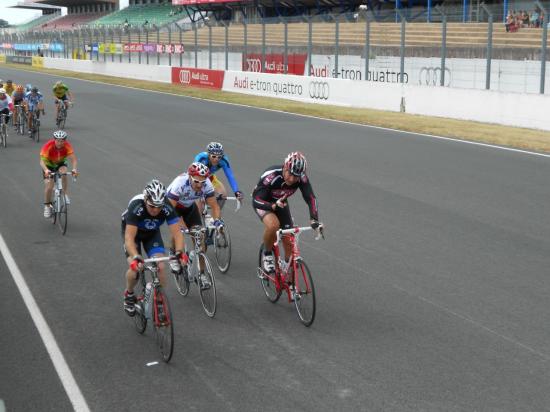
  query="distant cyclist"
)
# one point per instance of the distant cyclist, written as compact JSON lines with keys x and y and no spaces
{"x":63,"y":94}
{"x":269,"y":200}
{"x":53,"y":158}
{"x":6,"y":105}
{"x":18,"y":96}
{"x":141,"y":223}
{"x":34,"y":102}
{"x":215,"y":159}
{"x":9,"y":87}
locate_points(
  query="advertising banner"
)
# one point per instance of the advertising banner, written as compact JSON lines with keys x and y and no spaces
{"x":6,"y":46}
{"x":274,"y":63}
{"x":212,"y":79}
{"x":133,"y":47}
{"x":2,"y":58}
{"x":19,"y":59}
{"x":37,"y":61}
{"x":153,"y":48}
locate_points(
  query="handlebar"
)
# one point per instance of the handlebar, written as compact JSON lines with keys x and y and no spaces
{"x":159,"y":259}
{"x":298,"y":229}
{"x":236,"y":199}
{"x":193,"y":231}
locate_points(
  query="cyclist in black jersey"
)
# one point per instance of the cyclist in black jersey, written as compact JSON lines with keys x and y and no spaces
{"x":141,"y":223}
{"x":269,"y":200}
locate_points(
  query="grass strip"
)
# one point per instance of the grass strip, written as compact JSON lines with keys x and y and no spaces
{"x":516,"y":137}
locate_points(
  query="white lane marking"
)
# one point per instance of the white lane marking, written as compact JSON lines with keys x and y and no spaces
{"x":58,"y":360}
{"x":433,"y":136}
{"x":152,"y":363}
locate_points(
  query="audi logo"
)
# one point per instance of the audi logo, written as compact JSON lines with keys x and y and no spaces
{"x":253,"y":65}
{"x":431,"y":76}
{"x":319,"y":90}
{"x":185,"y":76}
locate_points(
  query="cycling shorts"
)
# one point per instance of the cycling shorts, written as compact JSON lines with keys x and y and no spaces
{"x":151,"y":241}
{"x":54,"y":168}
{"x":190,"y":215}
{"x":284,"y":216}
{"x":216,"y":182}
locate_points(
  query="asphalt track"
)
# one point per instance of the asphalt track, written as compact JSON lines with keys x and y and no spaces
{"x":432,"y":283}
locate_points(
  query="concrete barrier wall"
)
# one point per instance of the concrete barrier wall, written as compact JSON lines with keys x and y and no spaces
{"x":127,"y":70}
{"x":506,"y":108}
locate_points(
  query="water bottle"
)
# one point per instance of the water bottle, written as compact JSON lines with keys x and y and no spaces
{"x":147,"y":299}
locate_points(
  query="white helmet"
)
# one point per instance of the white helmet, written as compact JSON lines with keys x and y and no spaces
{"x":155,"y":192}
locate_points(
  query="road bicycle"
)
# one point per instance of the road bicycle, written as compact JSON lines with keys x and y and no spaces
{"x":293,"y":276}
{"x":152,"y":305}
{"x":3,"y":130}
{"x":219,"y":236}
{"x":35,"y":126}
{"x":192,"y":273}
{"x":20,"y":119}
{"x":62,"y":113}
{"x":59,"y":203}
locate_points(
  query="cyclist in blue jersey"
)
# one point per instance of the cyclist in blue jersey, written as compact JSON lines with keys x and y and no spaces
{"x":34,"y":101}
{"x":215,"y":159}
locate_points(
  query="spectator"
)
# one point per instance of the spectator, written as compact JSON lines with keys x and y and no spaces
{"x":525,"y":19}
{"x":541,"y":19}
{"x":510,"y":25}
{"x":534,"y":19}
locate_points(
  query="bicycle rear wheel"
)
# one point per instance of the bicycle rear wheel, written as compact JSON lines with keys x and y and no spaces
{"x":304,"y":293}
{"x":207,"y":288}
{"x":222,"y":249}
{"x":164,"y":327}
{"x":140,"y":320}
{"x":268,"y":281}
{"x":4,"y":135}
{"x":181,"y":280}
{"x":36,"y":130}
{"x":22,"y":123}
{"x":62,"y":218}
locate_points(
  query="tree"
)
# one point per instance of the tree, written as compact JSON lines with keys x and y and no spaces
{"x":3,"y":24}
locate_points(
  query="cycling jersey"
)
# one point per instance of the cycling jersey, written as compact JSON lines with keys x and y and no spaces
{"x":272,"y":187}
{"x":33,"y":99}
{"x":18,"y":97}
{"x":52,"y":156}
{"x":223,"y":164}
{"x":136,"y":215}
{"x":6,"y":103}
{"x":148,"y":227}
{"x":181,"y":191}
{"x":9,"y":89}
{"x":60,"y":91}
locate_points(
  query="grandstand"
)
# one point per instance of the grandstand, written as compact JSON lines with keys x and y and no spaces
{"x":37,"y":22}
{"x":138,"y":15}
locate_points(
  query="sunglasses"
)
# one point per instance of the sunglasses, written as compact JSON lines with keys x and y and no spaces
{"x":216,"y":156}
{"x":197,"y":181}
{"x":153,"y":206}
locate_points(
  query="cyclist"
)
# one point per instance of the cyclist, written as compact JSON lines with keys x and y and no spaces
{"x":269,"y":200}
{"x":9,"y":87}
{"x":61,"y":92}
{"x":6,"y":105}
{"x":34,"y":101}
{"x":53,"y":158}
{"x":141,"y":223}
{"x":18,"y":98}
{"x":186,"y":189}
{"x":215,"y":159}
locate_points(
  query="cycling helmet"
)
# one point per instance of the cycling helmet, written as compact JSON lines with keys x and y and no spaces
{"x":198,"y":169}
{"x":19,"y":88}
{"x":296,"y":163}
{"x":2,"y":91}
{"x":215,"y":148}
{"x":60,"y":134}
{"x":155,"y":192}
{"x":28,"y":87}
{"x":34,"y":89}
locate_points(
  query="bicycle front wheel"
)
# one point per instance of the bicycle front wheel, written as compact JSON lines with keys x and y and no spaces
{"x":62,"y":218}
{"x":268,"y":281}
{"x":304,"y":293}
{"x":181,"y":280}
{"x":4,"y":135}
{"x":222,"y":249}
{"x":140,"y":320}
{"x":207,"y":288}
{"x":164,"y":327}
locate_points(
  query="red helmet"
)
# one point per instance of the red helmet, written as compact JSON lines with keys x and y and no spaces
{"x":296,"y":164}
{"x":198,"y":169}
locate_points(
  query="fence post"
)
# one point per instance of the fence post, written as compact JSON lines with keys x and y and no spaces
{"x":402,"y":46}
{"x":209,"y":46}
{"x":309,"y":44}
{"x":263,"y":46}
{"x":245,"y":35}
{"x":147,"y":43}
{"x":489,"y":46}
{"x":336,"y":44}
{"x":181,"y":44}
{"x":543,"y":46}
{"x":158,"y":42}
{"x":443,"y":43}
{"x":139,"y":42}
{"x":170,"y":46}
{"x":363,"y":11}
{"x":129,"y":46}
{"x":196,"y":44}
{"x":285,"y":56}
{"x":120,"y":41}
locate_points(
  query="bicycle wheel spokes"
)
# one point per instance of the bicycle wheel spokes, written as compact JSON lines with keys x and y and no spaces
{"x":181,"y":280}
{"x":267,"y":281}
{"x":304,"y":294}
{"x":62,"y":218}
{"x":222,"y":249}
{"x":164,"y":327}
{"x":207,"y":288}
